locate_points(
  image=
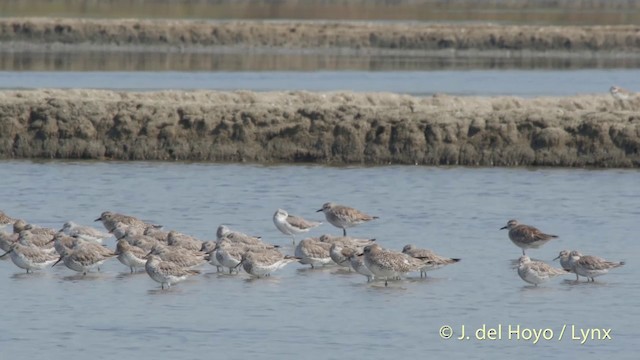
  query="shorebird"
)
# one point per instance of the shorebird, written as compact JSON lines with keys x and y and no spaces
{"x":21,"y":225}
{"x":344,"y":246}
{"x":340,"y":254}
{"x":130,"y":256}
{"x":313,"y":252}
{"x":434,"y":261}
{"x":344,"y":217}
{"x":110,"y":220}
{"x":63,"y":243}
{"x":620,"y":94}
{"x":229,"y":253}
{"x":166,"y":272}
{"x":292,"y":225}
{"x":184,"y":241}
{"x":357,"y":264}
{"x":346,"y":241}
{"x":86,"y":233}
{"x":565,"y":261}
{"x":39,"y":240}
{"x":591,"y":266}
{"x":85,"y":256}
{"x":6,"y":239}
{"x":387,"y":264}
{"x":209,"y":247}
{"x":157,"y":234}
{"x":30,"y":257}
{"x":5,"y":220}
{"x":134,"y":237}
{"x":263,"y":263}
{"x":182,"y":257}
{"x":537,"y":272}
{"x":223,"y":231}
{"x":525,"y":236}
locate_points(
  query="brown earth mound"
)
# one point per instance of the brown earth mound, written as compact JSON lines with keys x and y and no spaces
{"x":330,"y":128}
{"x":362,"y":36}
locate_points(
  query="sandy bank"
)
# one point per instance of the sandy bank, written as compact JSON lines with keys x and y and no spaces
{"x":332,"y":128}
{"x":16,"y":33}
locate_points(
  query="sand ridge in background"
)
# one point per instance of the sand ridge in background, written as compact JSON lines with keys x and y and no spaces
{"x":547,"y":12}
{"x":332,"y":128}
{"x":186,"y":35}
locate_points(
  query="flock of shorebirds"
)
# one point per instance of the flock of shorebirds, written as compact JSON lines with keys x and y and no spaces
{"x":537,"y":272}
{"x":169,"y":257}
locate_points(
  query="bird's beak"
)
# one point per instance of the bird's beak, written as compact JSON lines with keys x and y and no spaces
{"x":318,"y":210}
{"x":556,"y":258}
{"x":57,"y":261}
{"x":98,"y":219}
{"x":361,"y":254}
{"x":5,"y":254}
{"x":502,"y":228}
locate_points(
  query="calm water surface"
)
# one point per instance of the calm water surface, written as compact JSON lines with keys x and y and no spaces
{"x":242,"y":59}
{"x":472,"y":82}
{"x":326,"y":313}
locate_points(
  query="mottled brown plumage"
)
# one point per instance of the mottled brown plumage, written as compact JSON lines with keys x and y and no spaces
{"x":537,"y":272}
{"x":389,"y":265}
{"x":166,"y":272}
{"x":313,"y":252}
{"x":591,"y":266}
{"x":344,"y":217}
{"x":525,"y":236}
{"x":434,"y":261}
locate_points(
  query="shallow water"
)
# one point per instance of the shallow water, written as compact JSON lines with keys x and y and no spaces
{"x":242,"y":59}
{"x":473,"y":82}
{"x":325,"y":313}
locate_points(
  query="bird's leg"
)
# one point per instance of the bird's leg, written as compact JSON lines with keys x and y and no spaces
{"x":523,"y":254}
{"x":385,"y":282}
{"x":293,"y":239}
{"x":344,"y":232}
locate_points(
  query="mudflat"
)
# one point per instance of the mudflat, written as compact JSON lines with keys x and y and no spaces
{"x":331,"y":128}
{"x":363,"y":37}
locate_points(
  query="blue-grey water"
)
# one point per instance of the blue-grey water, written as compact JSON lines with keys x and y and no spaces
{"x":472,"y":82}
{"x":326,"y":313}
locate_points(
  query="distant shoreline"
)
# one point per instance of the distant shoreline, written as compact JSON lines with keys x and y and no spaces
{"x":45,"y":34}
{"x":541,"y":12}
{"x":337,"y":128}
